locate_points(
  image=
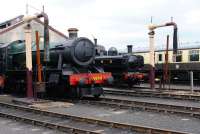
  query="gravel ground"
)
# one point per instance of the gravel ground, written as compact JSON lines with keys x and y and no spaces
{"x":66,"y":122}
{"x":157,"y":100}
{"x":150,"y":119}
{"x":8,"y":126}
{"x":158,"y":120}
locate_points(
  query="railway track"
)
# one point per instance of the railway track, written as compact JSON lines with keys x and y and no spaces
{"x":73,"y":124}
{"x":166,"y":89}
{"x":145,"y":106}
{"x":156,"y":94}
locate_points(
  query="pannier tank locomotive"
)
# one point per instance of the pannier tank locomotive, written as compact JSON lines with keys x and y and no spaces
{"x":125,"y":68}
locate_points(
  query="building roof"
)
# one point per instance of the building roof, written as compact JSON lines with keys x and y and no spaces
{"x":20,"y":21}
{"x":11,"y":22}
{"x":181,"y":46}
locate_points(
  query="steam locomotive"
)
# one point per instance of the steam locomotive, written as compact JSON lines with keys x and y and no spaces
{"x":69,"y":71}
{"x":125,"y":68}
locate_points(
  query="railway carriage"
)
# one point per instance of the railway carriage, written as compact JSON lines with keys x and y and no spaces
{"x":187,"y":59}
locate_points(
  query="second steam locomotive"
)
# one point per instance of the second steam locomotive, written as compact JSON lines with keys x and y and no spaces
{"x":125,"y":68}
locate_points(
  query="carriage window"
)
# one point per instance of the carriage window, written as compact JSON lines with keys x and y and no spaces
{"x":160,"y":58}
{"x":194,"y":55}
{"x":179,"y":56}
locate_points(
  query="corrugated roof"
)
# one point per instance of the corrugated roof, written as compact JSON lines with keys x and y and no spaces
{"x":18,"y":23}
{"x":11,"y":21}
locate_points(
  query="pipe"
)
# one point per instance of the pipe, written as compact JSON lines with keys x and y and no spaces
{"x":175,"y":38}
{"x":175,"y":41}
{"x":191,"y":81}
{"x":39,"y":67}
{"x":28,"y":41}
{"x":166,"y":69}
{"x":46,"y":36}
{"x":151,"y":28}
{"x":46,"y":32}
{"x":152,"y":59}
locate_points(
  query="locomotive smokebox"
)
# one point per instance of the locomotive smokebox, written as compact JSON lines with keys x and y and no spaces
{"x":73,"y":33}
{"x":80,"y":50}
{"x":130,"y":48}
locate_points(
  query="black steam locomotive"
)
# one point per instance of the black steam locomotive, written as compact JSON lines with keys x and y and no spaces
{"x":68,"y":72}
{"x":125,"y":68}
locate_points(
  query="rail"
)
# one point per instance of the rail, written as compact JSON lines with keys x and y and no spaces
{"x":134,"y":128}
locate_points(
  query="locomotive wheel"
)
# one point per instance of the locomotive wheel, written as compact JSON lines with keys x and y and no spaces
{"x":97,"y":96}
{"x":130,"y":85}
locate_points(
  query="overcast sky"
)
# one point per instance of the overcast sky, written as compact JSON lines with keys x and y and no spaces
{"x":115,"y":22}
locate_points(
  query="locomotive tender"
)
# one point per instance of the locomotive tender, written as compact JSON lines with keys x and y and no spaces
{"x":70,"y":70}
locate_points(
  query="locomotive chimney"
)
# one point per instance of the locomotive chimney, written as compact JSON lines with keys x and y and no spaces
{"x":129,"y":48}
{"x":95,"y":41}
{"x":73,"y":33}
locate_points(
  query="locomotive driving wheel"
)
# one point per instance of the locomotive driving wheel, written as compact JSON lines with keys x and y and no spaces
{"x":96,"y":96}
